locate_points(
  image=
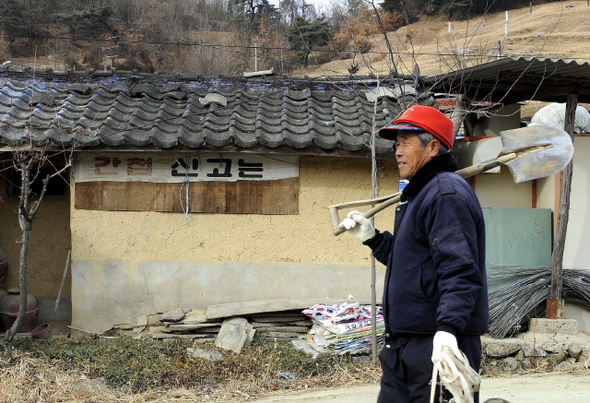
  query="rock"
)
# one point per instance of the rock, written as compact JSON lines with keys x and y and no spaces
{"x":510,"y":363}
{"x":584,"y":357}
{"x":211,"y":355}
{"x":154,"y":319}
{"x":526,"y":364}
{"x":574,"y":350}
{"x":556,"y":359}
{"x":531,"y":351}
{"x":362,"y":358}
{"x":554,"y":349}
{"x":304,"y":346}
{"x":195,"y":316}
{"x":499,"y":350}
{"x":172,"y":316}
{"x":563,"y":367}
{"x":140,"y":324}
{"x":496,"y":400}
{"x":234,"y":334}
{"x":124,"y":326}
{"x":519,"y":356}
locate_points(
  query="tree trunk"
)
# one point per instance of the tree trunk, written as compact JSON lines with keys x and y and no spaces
{"x":25,"y":221}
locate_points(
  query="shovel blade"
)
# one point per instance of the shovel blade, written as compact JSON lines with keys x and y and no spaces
{"x":540,"y":163}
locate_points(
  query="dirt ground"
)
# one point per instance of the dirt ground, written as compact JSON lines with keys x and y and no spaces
{"x":527,"y":388}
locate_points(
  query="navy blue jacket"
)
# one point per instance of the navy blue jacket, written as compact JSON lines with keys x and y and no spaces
{"x":436,"y":276}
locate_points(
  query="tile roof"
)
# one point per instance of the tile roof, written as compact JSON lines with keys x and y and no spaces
{"x":200,"y":114}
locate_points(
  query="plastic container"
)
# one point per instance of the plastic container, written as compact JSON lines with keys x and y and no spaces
{"x":9,"y":306}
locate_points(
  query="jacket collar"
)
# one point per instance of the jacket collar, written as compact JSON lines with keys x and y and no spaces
{"x":440,"y":163}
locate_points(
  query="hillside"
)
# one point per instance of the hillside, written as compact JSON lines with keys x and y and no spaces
{"x":554,"y":30}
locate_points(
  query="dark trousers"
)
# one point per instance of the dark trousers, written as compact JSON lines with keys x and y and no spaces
{"x":407,"y":368}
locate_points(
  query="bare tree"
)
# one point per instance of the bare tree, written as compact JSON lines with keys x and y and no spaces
{"x":28,"y":164}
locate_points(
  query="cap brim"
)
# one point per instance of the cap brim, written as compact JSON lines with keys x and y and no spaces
{"x":390,"y":132}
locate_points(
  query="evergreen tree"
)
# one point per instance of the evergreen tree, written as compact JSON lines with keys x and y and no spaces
{"x":251,"y":12}
{"x":306,"y":35}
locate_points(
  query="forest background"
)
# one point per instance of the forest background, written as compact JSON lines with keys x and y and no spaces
{"x":210,"y":38}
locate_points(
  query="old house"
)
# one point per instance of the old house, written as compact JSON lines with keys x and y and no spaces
{"x":188,"y":192}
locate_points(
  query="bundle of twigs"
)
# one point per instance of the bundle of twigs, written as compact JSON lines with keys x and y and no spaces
{"x":525,"y":297}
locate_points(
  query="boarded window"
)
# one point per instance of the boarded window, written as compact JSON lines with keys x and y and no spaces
{"x":208,"y":183}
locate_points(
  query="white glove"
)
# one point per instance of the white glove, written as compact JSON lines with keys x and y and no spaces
{"x":444,"y":339}
{"x":358,"y":225}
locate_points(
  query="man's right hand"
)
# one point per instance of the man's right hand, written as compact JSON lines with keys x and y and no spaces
{"x":358,"y":225}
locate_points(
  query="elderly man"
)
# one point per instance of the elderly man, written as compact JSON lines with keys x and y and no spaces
{"x":435,"y":291}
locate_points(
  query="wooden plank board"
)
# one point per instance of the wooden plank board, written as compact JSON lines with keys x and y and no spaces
{"x":245,"y":197}
{"x":208,"y":197}
{"x":282,"y":197}
{"x":88,"y":196}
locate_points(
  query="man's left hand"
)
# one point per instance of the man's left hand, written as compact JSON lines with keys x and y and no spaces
{"x":444,"y":339}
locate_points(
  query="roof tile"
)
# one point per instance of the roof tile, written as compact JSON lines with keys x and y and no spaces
{"x":195,"y":114}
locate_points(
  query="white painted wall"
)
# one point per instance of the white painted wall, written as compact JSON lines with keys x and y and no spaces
{"x":577,"y":252}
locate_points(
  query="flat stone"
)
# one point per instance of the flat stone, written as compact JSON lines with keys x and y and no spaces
{"x":167,"y":336}
{"x":500,"y":350}
{"x":154,"y":319}
{"x":554,"y":326}
{"x":191,"y":327}
{"x":124,"y":326}
{"x":234,"y":334}
{"x":554,"y":349}
{"x":174,"y":315}
{"x":289,"y":329}
{"x":244,"y":308}
{"x":195,"y":316}
{"x":210,"y":355}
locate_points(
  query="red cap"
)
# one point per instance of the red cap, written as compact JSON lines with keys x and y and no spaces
{"x":423,"y":118}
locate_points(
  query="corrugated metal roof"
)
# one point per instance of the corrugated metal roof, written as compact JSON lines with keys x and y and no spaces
{"x":510,"y":80}
{"x":219,"y":115}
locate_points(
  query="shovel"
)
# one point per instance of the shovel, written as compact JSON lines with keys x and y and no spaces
{"x":43,"y":331}
{"x":530,"y":152}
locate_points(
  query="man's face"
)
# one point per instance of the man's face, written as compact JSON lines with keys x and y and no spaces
{"x":411,"y":155}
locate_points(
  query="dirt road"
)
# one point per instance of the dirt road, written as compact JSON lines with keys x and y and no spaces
{"x":530,"y":388}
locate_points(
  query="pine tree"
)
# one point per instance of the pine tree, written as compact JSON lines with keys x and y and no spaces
{"x":306,"y":35}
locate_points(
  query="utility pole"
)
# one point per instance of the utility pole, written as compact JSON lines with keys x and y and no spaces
{"x":555,"y":303}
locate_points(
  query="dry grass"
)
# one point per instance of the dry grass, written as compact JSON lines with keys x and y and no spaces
{"x":554,"y":30}
{"x":128,"y":370}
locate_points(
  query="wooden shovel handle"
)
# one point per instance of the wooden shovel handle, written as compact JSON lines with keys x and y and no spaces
{"x":386,"y":201}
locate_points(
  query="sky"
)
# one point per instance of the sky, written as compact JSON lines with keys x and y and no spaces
{"x":319,"y":4}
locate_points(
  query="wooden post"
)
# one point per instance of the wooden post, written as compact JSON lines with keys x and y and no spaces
{"x":555,"y":302}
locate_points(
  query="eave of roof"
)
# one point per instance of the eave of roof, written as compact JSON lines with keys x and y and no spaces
{"x":510,"y":80}
{"x":305,"y":116}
